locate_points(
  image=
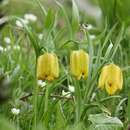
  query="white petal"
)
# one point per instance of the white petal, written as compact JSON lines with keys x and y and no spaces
{"x":30,"y":17}
{"x":7,"y":48}
{"x":16,"y":47}
{"x":15,"y":111}
{"x":41,"y":83}
{"x":71,"y":88}
{"x":66,"y":94}
{"x":40,"y":36}
{"x":93,"y":96}
{"x":92,"y":37}
{"x":20,"y":23}
{"x":1,"y":49}
{"x":89,"y":27}
{"x":7,"y":40}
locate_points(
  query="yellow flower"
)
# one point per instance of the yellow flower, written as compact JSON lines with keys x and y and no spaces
{"x":79,"y":63}
{"x":111,"y":78}
{"x":47,"y":67}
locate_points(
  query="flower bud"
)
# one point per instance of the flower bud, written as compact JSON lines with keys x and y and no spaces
{"x":47,"y":67}
{"x":79,"y":64}
{"x":111,"y":78}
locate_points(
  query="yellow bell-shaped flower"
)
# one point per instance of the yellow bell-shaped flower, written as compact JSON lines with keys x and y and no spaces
{"x":111,"y":78}
{"x":47,"y":67}
{"x":79,"y":64}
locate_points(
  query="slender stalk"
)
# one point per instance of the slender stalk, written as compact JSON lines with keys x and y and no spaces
{"x":78,"y":100}
{"x":128,"y":107}
{"x":35,"y":98}
{"x":46,"y":99}
{"x":89,"y":91}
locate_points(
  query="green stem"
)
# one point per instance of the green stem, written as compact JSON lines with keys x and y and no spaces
{"x":46,"y":99}
{"x":128,"y":107}
{"x":109,"y":98}
{"x":78,"y":100}
{"x":89,"y":91}
{"x":67,"y":19}
{"x":35,"y":98}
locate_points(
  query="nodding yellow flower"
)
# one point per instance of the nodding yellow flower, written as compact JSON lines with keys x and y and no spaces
{"x":79,"y":63}
{"x":47,"y":67}
{"x":111,"y":78}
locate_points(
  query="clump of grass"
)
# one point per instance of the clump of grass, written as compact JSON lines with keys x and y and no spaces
{"x":65,"y":102}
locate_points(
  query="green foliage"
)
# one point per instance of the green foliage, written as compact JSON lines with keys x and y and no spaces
{"x":102,"y":121}
{"x":47,"y":108}
{"x":75,"y":17}
{"x":115,"y":10}
{"x":60,"y":118}
{"x":5,"y":124}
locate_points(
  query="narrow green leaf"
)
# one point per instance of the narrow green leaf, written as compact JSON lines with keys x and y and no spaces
{"x":66,"y":18}
{"x":118,"y":40}
{"x":75,"y":17}
{"x":128,"y":107}
{"x":41,"y":7}
{"x":60,"y":118}
{"x":5,"y":125}
{"x":104,"y":122}
{"x":50,"y":19}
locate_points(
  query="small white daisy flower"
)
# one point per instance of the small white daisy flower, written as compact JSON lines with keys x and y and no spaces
{"x":89,"y":26}
{"x":7,"y":40}
{"x":15,"y":111}
{"x":30,"y":17}
{"x":93,"y":96}
{"x":53,"y":98}
{"x":21,"y":23}
{"x":66,"y":94}
{"x":1,"y":49}
{"x":16,"y":47}
{"x":7,"y":48}
{"x":71,"y":88}
{"x":40,"y":36}
{"x":41,"y":83}
{"x":92,"y":37}
{"x":111,"y":45}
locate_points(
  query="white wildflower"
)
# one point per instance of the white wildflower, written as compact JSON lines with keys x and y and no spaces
{"x":66,"y":94}
{"x":16,"y":47}
{"x":1,"y":49}
{"x":21,"y":23}
{"x":8,"y":48}
{"x":7,"y":40}
{"x":89,"y":27}
{"x":111,"y":45}
{"x":30,"y":17}
{"x":71,"y":88}
{"x":92,"y":37}
{"x":15,"y":111}
{"x":53,"y":98}
{"x":93,"y":96}
{"x":40,"y":36}
{"x":83,"y":26}
{"x":41,"y":83}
